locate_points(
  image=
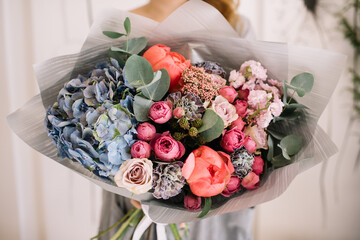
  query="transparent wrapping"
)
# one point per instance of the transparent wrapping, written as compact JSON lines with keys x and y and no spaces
{"x":200,"y":33}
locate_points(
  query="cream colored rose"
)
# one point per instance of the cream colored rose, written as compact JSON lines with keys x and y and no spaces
{"x":135,"y":175}
{"x":225,"y":110}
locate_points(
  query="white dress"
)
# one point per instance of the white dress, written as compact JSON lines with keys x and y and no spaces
{"x":231,"y":226}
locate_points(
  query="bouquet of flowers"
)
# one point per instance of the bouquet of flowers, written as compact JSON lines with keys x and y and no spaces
{"x":187,"y":126}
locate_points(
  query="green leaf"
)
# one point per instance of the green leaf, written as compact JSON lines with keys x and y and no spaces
{"x":127,"y":26}
{"x":280,"y":161}
{"x":209,"y":120}
{"x":295,"y":105}
{"x":138,"y":71}
{"x":290,"y":145}
{"x":117,"y":57}
{"x":213,"y":132}
{"x":290,"y":116}
{"x":270,"y":153}
{"x":141,"y":108}
{"x":284,"y":92}
{"x":158,"y":87}
{"x":206,"y":208}
{"x":112,"y":34}
{"x":133,"y":46}
{"x":302,"y":83}
{"x":212,"y":126}
{"x":276,"y":135}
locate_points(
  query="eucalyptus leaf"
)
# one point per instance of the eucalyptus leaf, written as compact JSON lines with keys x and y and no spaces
{"x":214,"y":132}
{"x":141,"y":108}
{"x":112,"y":34}
{"x":302,"y":83}
{"x":291,"y":144}
{"x":270,"y":153}
{"x":132,"y":46}
{"x":284,"y":92}
{"x":127,"y":26}
{"x":290,"y":116}
{"x":206,"y":208}
{"x":280,"y":161}
{"x":158,"y":87}
{"x":138,"y":71}
{"x":295,"y":105}
{"x":208,"y":120}
{"x":117,"y":57}
{"x":275,"y":134}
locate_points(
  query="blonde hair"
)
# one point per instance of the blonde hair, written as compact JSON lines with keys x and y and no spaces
{"x":227,"y":8}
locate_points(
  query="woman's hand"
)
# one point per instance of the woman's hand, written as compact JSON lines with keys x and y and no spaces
{"x":135,"y":203}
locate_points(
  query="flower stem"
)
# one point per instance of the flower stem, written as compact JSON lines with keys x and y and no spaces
{"x":175,"y":231}
{"x":125,"y":225}
{"x":113,"y":226}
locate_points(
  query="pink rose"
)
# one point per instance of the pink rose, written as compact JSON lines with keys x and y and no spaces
{"x":241,"y":107}
{"x":258,"y":135}
{"x":225,"y":110}
{"x":146,"y":131}
{"x":192,"y":202}
{"x":250,"y":181}
{"x":250,"y":144}
{"x":140,"y":149}
{"x":232,"y":187}
{"x":229,"y":93}
{"x":166,"y":148}
{"x":258,"y":165}
{"x":135,"y":175}
{"x":160,"y":112}
{"x":178,"y":112}
{"x":232,"y":140}
{"x":236,"y":79}
{"x":239,"y":123}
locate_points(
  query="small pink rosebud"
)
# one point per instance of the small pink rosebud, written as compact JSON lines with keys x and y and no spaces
{"x":250,"y":144}
{"x":258,"y":165}
{"x":250,"y":181}
{"x":178,"y":112}
{"x":192,"y":202}
{"x":146,"y":131}
{"x":232,"y":187}
{"x":160,"y":112}
{"x":239,"y":123}
{"x":229,"y":93}
{"x":241,"y":107}
{"x":232,"y":140}
{"x":140,"y":149}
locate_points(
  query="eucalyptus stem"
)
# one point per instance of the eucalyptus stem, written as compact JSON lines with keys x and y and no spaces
{"x":113,"y":226}
{"x":258,"y":110}
{"x":125,"y":225}
{"x":175,"y":231}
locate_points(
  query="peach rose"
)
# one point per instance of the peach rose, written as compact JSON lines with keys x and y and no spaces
{"x":207,"y":171}
{"x":160,"y":57}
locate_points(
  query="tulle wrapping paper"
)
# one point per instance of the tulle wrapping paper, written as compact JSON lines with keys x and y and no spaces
{"x":199,"y":32}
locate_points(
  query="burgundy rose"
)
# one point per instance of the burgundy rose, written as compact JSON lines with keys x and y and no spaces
{"x":232,"y":187}
{"x":166,"y":148}
{"x":241,"y":107}
{"x":258,"y":165}
{"x":192,"y":202}
{"x":232,"y":140}
{"x":146,"y":131}
{"x":160,"y":112}
{"x":140,"y":149}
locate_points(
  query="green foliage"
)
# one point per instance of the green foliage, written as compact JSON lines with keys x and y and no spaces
{"x":141,"y":107}
{"x":301,"y":83}
{"x":127,"y":26}
{"x":206,"y":208}
{"x":158,"y":87}
{"x":212,"y":126}
{"x":138,"y":71}
{"x":290,"y":145}
{"x":132,"y":46}
{"x":112,"y":34}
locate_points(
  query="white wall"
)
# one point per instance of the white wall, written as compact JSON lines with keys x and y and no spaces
{"x":43,"y":200}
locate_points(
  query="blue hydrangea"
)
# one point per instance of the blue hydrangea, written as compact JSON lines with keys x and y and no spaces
{"x":92,"y":121}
